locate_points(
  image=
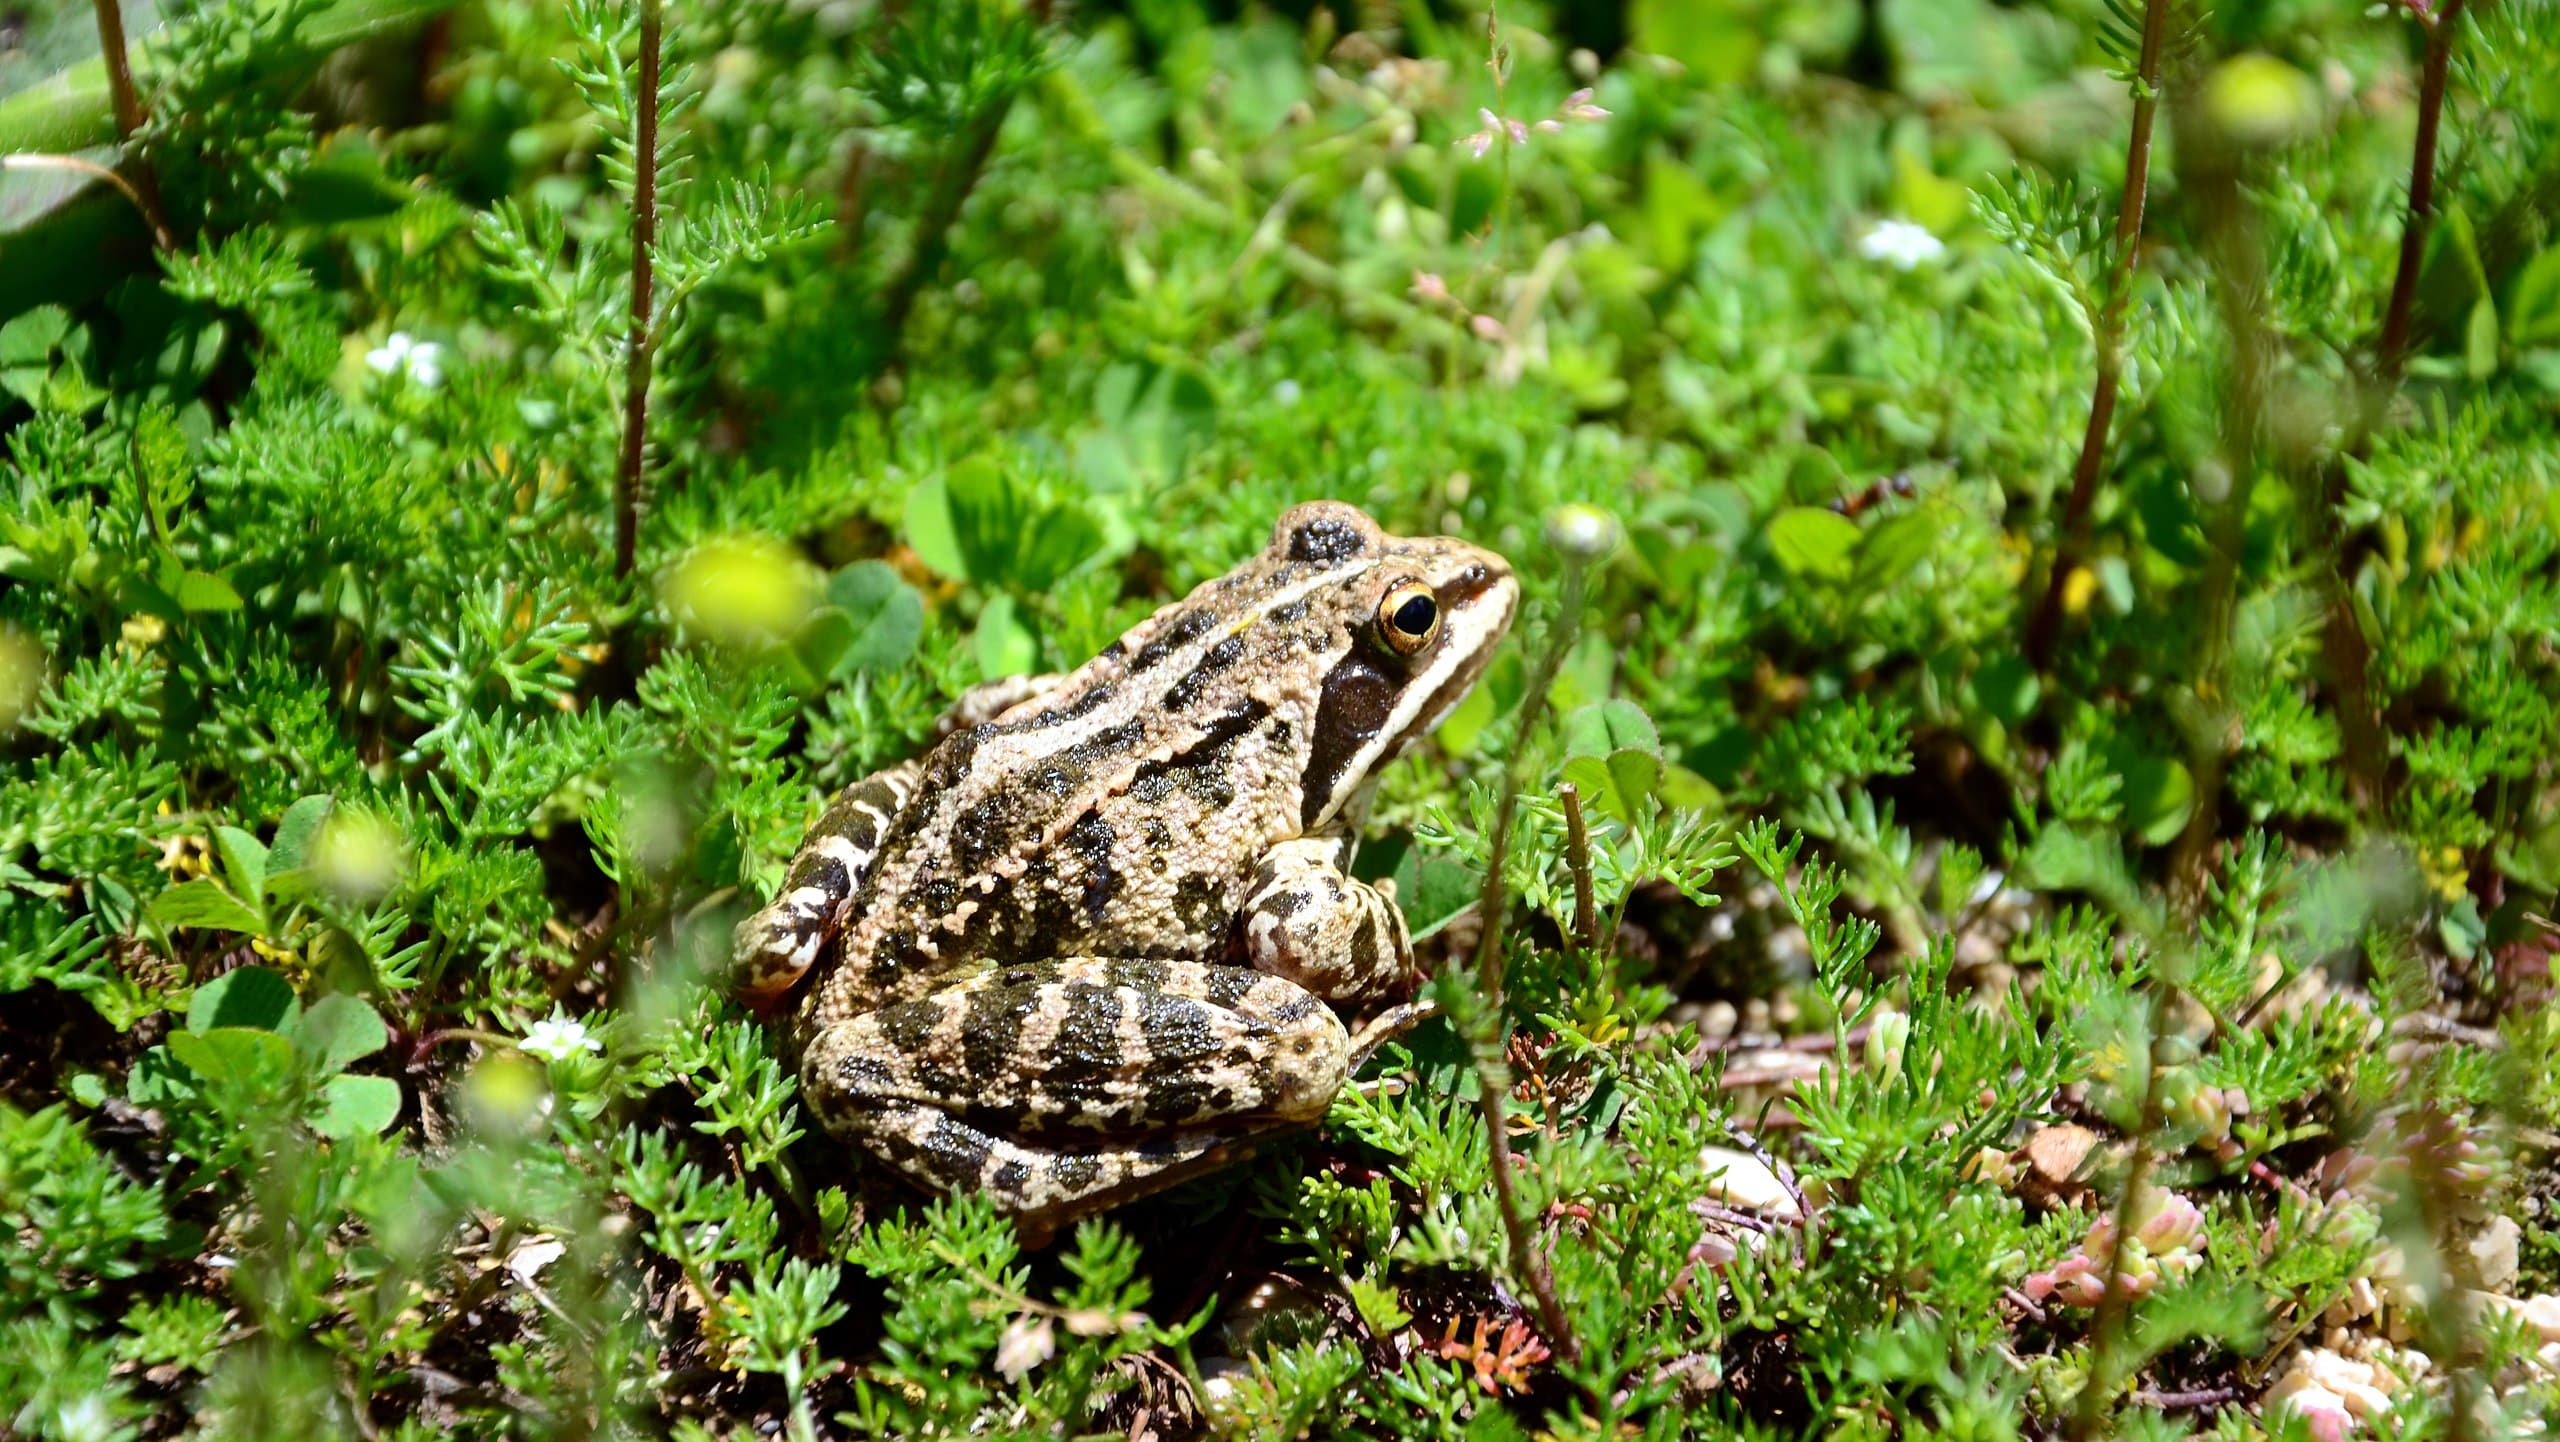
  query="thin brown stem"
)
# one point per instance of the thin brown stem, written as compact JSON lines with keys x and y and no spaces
{"x":641,"y":352}
{"x":144,"y":191}
{"x":2046,"y":623}
{"x":129,"y":189}
{"x":2391,"y":353}
{"x":120,"y":89}
{"x":2343,"y":645}
{"x":1486,"y":1030}
{"x":1577,"y":859}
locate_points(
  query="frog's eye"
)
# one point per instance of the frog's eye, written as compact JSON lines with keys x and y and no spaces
{"x":1408,"y":617}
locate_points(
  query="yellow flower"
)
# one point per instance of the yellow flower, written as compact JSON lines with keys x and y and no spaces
{"x":2446,"y":875}
{"x":2077,"y":588}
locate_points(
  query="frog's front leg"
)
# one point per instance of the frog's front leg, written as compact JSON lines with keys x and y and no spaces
{"x":1060,"y":1088}
{"x":775,"y":947}
{"x":1342,"y":939}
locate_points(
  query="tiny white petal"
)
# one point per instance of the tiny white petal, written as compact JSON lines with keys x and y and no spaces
{"x":557,"y":1038}
{"x":1901,"y":244}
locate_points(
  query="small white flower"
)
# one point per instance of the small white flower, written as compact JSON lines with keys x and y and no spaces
{"x":419,"y":360}
{"x":1027,"y":1342}
{"x":85,"y":1419}
{"x":558,"y":1038}
{"x":1901,"y":244}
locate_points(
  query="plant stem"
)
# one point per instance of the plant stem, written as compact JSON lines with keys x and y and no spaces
{"x":2391,"y":353}
{"x":2046,"y":623}
{"x":130,"y":189}
{"x":145,"y":189}
{"x":2114,"y":1304}
{"x":1577,"y":859}
{"x":1487,"y":1031}
{"x":2235,"y":256}
{"x":2343,"y":643}
{"x":641,"y":351}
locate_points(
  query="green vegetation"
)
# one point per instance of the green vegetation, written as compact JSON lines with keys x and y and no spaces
{"x":2047,"y":933}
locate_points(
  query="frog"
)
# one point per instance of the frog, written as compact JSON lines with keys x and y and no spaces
{"x":1102,"y":935}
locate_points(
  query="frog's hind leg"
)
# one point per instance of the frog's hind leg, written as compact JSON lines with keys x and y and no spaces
{"x":1043,"y":1186}
{"x":1073,"y":1085}
{"x":775,"y":947}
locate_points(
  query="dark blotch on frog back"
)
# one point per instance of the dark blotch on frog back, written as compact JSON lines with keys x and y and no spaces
{"x":1326,"y":539}
{"x":1188,"y":627}
{"x":1092,"y":838}
{"x":1083,"y":705}
{"x":1088,"y":1047}
{"x":1217,"y":660}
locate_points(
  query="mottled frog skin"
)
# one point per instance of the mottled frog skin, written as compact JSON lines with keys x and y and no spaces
{"x":1099,"y":938}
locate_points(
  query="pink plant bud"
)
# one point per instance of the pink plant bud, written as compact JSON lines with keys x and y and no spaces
{"x":2172,"y":1223}
{"x":1430,"y":287}
{"x":1485,"y":327}
{"x":1578,"y":106}
{"x":2323,"y":1412}
{"x":2079,"y":1283}
{"x":2074,"y":1282}
{"x":1547,"y":127}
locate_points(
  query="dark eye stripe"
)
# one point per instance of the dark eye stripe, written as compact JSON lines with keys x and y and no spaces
{"x":1358,"y":697}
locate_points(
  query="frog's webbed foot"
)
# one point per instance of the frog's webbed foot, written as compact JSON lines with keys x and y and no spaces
{"x":1075,"y":1085}
{"x":1386,"y":1026}
{"x":1342,"y":939}
{"x":775,"y":947}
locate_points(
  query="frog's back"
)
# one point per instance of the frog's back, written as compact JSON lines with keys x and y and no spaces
{"x":1116,"y":814}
